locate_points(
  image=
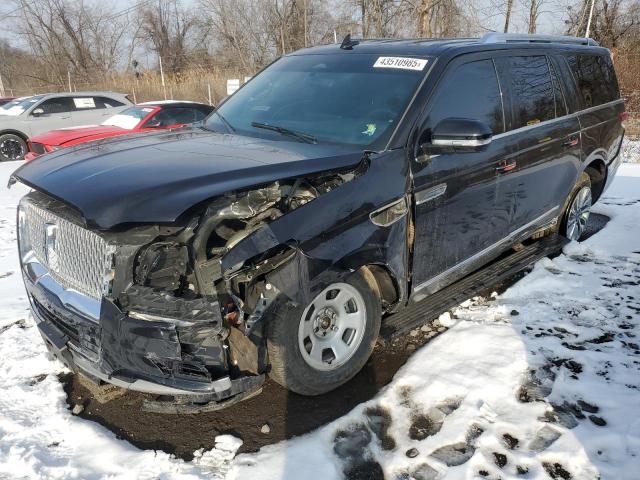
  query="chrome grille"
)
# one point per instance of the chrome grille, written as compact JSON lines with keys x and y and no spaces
{"x":76,"y":257}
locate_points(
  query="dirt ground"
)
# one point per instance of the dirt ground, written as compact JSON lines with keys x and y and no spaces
{"x":287,"y":414}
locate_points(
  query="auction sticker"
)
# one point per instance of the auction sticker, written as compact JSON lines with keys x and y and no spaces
{"x":400,"y":62}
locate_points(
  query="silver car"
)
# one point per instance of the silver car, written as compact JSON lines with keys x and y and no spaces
{"x":25,"y":117}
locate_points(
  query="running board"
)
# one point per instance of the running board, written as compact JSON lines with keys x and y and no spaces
{"x":422,"y":312}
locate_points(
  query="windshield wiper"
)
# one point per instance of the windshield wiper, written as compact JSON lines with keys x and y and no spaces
{"x":305,"y":137}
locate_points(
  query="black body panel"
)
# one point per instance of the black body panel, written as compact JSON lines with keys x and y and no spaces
{"x":154,"y":178}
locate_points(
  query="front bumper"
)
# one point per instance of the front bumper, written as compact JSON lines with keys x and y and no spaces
{"x":95,"y":338}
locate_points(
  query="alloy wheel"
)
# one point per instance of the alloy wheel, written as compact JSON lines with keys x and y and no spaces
{"x":578,"y":214}
{"x":11,"y":150}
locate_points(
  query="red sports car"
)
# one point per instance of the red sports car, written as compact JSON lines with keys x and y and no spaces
{"x":145,"y":117}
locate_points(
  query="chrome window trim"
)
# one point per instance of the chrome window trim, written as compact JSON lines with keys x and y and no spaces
{"x":484,"y":251}
{"x":564,"y":117}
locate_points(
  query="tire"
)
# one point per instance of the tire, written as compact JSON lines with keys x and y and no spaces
{"x":12,"y":147}
{"x":577,"y":209}
{"x":290,"y":332}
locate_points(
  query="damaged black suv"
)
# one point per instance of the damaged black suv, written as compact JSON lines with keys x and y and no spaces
{"x":338,"y":192}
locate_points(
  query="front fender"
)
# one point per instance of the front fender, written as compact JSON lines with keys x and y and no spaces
{"x":333,"y":234}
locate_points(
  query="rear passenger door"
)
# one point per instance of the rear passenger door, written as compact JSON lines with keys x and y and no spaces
{"x":598,"y":106}
{"x":547,"y":160}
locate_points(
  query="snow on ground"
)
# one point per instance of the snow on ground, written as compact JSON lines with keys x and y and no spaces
{"x":542,"y":381}
{"x":631,"y":151}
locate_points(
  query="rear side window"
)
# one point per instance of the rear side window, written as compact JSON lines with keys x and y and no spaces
{"x":595,"y":78}
{"x":532,"y":91}
{"x":104,"y":102}
{"x":470,"y":91}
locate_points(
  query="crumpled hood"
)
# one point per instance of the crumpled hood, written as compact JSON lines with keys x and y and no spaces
{"x":155,"y":178}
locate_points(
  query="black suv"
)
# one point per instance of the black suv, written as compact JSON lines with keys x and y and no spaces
{"x":342,"y":190}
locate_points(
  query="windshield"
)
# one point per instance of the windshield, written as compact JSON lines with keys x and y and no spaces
{"x":129,"y":118}
{"x":342,"y":99}
{"x":19,"y":105}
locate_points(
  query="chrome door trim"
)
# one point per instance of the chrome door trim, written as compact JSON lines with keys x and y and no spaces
{"x":485,"y":251}
{"x":468,"y":143}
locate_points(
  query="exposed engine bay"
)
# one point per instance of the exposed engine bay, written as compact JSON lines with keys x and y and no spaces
{"x":178,"y":280}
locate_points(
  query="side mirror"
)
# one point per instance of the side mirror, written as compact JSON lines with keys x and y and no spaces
{"x":37,"y":112}
{"x":458,"y":134}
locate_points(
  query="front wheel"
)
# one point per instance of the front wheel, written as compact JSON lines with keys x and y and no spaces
{"x":315,"y":348}
{"x":578,"y":210}
{"x":12,"y":147}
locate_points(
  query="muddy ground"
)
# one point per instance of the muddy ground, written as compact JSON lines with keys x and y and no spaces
{"x":287,"y":414}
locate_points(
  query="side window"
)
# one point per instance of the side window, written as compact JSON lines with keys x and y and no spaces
{"x":532,"y":92}
{"x":183,"y":115}
{"x":595,"y":78}
{"x":57,"y":105}
{"x":174,"y":116}
{"x":104,"y":102}
{"x":199,"y":115}
{"x":470,"y":91}
{"x":167,"y":117}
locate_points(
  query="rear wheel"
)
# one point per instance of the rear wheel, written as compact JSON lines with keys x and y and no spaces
{"x":317,"y":347}
{"x":12,"y":147}
{"x":578,"y":209}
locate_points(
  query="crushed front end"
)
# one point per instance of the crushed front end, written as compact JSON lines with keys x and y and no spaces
{"x":150,"y":307}
{"x":157,"y":336}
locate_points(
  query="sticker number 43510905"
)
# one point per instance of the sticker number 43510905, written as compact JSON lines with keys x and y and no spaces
{"x":400,"y":62}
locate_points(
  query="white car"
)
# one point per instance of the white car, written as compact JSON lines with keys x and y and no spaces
{"x":25,"y":117}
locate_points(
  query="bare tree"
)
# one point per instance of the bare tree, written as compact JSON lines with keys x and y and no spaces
{"x":437,"y":18}
{"x":508,"y":15}
{"x":166,"y":25}
{"x":239,"y":31}
{"x":613,"y":21}
{"x":533,"y":11}
{"x":81,"y":37}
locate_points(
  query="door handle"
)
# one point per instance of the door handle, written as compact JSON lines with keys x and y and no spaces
{"x":572,"y":142}
{"x":506,"y":166}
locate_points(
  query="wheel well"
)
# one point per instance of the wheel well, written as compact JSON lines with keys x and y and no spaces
{"x":597,"y":172}
{"x":15,"y":132}
{"x":387,"y":285}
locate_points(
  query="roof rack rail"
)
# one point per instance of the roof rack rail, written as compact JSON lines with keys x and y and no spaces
{"x":496,"y":37}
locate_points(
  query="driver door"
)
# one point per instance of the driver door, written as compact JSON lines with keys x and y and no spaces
{"x":461,"y":215}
